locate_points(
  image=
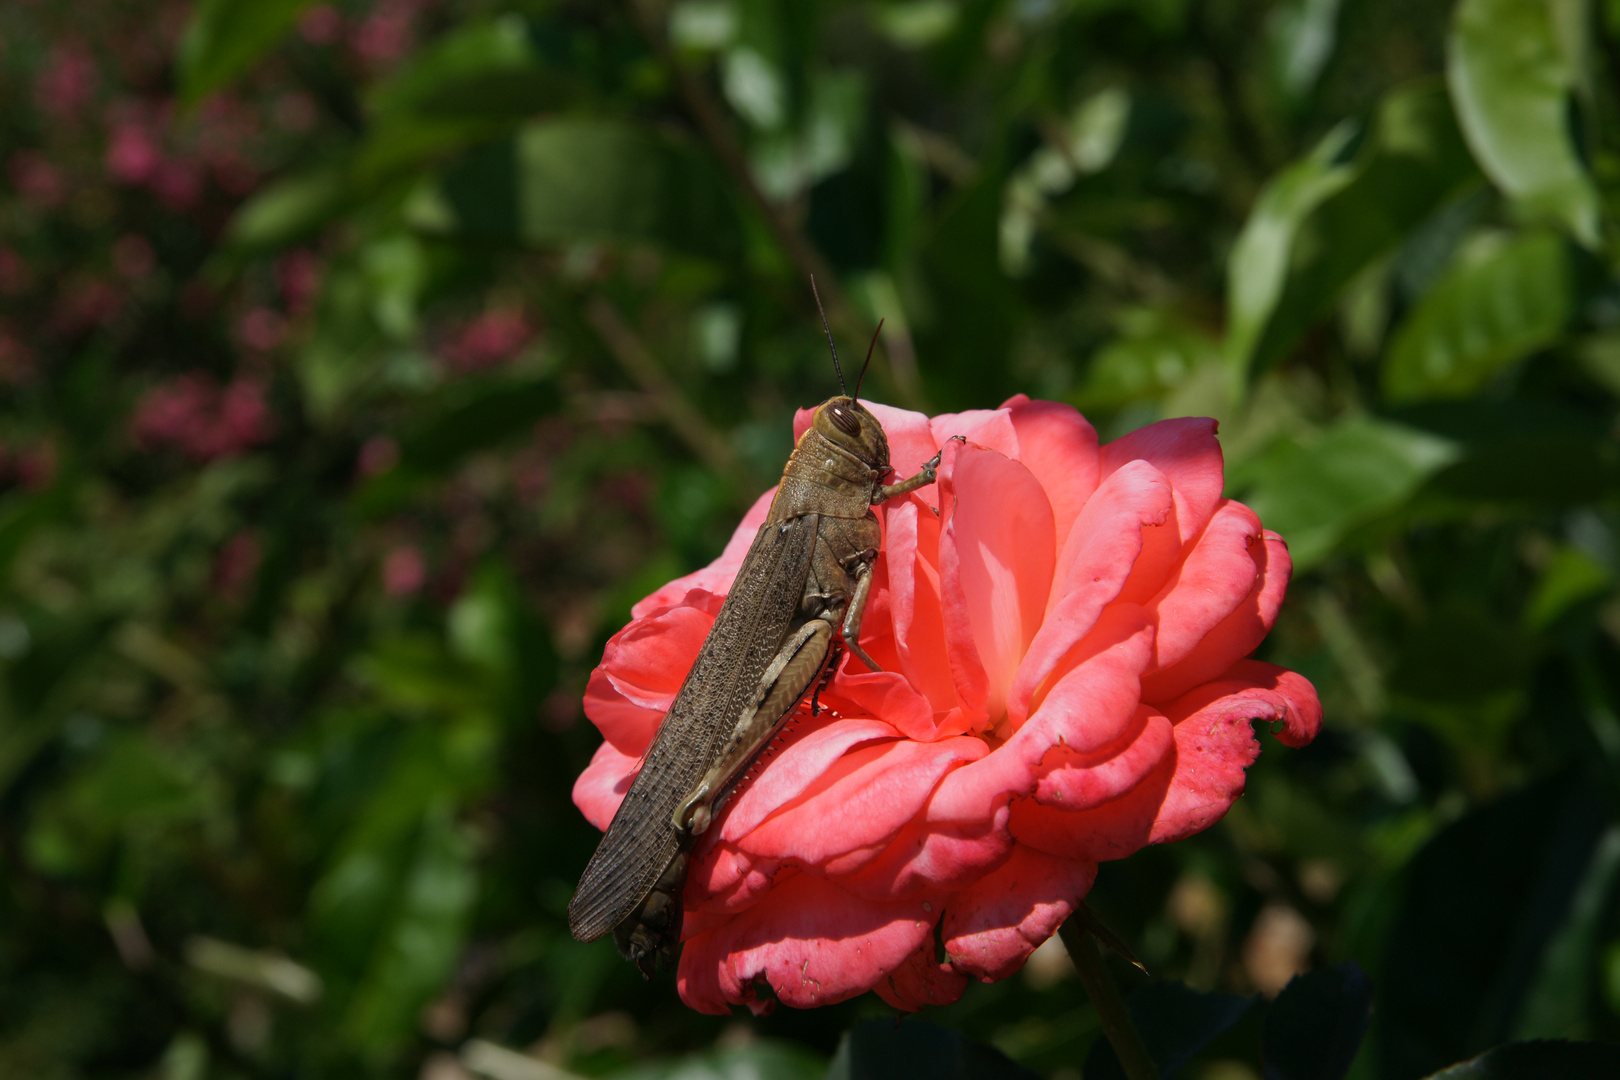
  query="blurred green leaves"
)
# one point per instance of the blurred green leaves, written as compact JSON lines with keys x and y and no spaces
{"x":1315,"y":491}
{"x":226,"y":37}
{"x":1512,"y":68}
{"x":307,"y":711}
{"x":1501,"y":300}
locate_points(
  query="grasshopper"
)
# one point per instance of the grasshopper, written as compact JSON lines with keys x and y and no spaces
{"x":796,"y":603}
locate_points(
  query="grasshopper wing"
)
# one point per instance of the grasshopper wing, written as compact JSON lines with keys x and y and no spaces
{"x":755,"y":620}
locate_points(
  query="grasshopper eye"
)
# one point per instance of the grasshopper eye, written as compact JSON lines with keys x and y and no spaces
{"x":844,"y":421}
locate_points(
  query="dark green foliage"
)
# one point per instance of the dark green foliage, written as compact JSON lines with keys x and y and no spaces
{"x":361,"y":364}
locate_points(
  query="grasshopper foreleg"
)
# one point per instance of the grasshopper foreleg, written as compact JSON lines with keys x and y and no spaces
{"x":925,"y":476}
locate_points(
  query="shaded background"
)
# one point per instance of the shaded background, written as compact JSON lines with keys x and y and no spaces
{"x":362,"y":363}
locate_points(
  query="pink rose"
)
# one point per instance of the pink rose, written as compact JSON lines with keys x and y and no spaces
{"x":1064,"y":681}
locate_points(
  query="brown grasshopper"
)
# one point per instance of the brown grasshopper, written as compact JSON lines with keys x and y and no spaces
{"x":797,"y":600}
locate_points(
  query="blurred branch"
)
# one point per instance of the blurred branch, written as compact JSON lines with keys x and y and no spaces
{"x":1104,"y":995}
{"x":711,"y":123}
{"x":707,"y":444}
{"x":1240,"y":125}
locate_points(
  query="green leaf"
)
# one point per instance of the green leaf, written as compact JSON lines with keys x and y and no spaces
{"x":756,"y":1058}
{"x":225,"y":37}
{"x":1314,"y":491}
{"x":1321,"y":221}
{"x":582,"y":180}
{"x":880,"y":1049}
{"x":436,"y":80}
{"x":1570,"y":577}
{"x":1559,"y":1003}
{"x":1483,"y":899}
{"x":1175,"y":1022}
{"x":420,"y":945}
{"x":1316,"y":1025}
{"x":289,"y":209}
{"x":1500,"y":301}
{"x":1540,"y":1061}
{"x":1511,"y":80}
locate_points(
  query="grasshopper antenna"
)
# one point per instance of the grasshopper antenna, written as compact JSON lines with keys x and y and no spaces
{"x":830,"y":344}
{"x":862,"y":376}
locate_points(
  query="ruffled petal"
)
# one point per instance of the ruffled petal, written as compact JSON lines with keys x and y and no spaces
{"x":991,"y":429}
{"x":1235,"y":636}
{"x":1059,"y":447}
{"x":798,"y":760}
{"x":1218,"y":573}
{"x":929,"y":855}
{"x":920,"y":981}
{"x":812,"y":941}
{"x":858,"y":803}
{"x":911,"y":572}
{"x":643,"y":668}
{"x":1101,"y":549}
{"x":1090,"y":707}
{"x":996,"y":559}
{"x":1186,"y":451}
{"x":1070,"y":779}
{"x":602,"y":786}
{"x":991,"y":928}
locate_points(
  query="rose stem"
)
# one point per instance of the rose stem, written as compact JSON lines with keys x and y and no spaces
{"x":1104,"y":995}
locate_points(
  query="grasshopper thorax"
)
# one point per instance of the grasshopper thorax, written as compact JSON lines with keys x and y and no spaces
{"x":847,"y":424}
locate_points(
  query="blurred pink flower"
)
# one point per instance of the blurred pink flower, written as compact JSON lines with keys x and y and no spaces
{"x":133,"y":156}
{"x":67,"y":83}
{"x":191,"y":414}
{"x":298,"y":273}
{"x":36,"y":179}
{"x":132,"y":256}
{"x":403,"y":571}
{"x":236,"y":564}
{"x":321,"y":24}
{"x":178,"y":184}
{"x":17,"y":362}
{"x":386,"y":33}
{"x":261,"y":329}
{"x":378,"y":454}
{"x":35,"y":465}
{"x":84,"y":304}
{"x":489,"y":339}
{"x":16,"y":277}
{"x":1065,"y":680}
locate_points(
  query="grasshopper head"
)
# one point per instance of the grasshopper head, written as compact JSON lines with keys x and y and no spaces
{"x":845,"y":422}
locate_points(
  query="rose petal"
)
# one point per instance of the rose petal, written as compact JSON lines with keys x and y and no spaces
{"x":602,"y":786}
{"x":920,"y":981}
{"x":996,"y":560}
{"x":1216,"y":576}
{"x":798,"y":760}
{"x":1186,"y":451}
{"x":643,"y":668}
{"x":1088,"y":708}
{"x":858,"y":802}
{"x":929,"y":855}
{"x":910,"y":530}
{"x":1059,"y":447}
{"x":991,"y":928}
{"x":812,"y":941}
{"x":991,"y":429}
{"x":885,"y":694}
{"x":1235,"y":636}
{"x":1112,"y":830}
{"x":1101,"y":549}
{"x":1071,"y":780}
